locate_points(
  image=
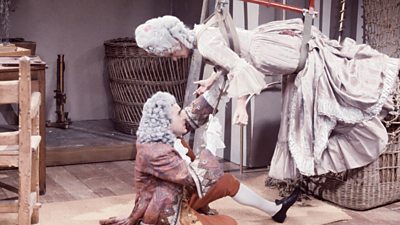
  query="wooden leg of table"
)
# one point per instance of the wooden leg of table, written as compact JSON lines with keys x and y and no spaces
{"x":42,"y":156}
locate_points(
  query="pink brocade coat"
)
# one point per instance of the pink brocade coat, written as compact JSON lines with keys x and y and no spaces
{"x":164,"y":181}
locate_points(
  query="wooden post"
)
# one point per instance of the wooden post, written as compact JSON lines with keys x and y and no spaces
{"x":25,"y":152}
{"x":195,"y":73}
{"x":241,"y":148}
{"x":42,"y":129}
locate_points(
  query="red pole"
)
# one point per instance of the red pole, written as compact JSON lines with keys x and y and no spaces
{"x":278,"y":5}
{"x":311,"y":5}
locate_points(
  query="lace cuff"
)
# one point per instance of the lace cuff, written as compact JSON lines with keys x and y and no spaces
{"x":212,"y":95}
{"x":213,"y":135}
{"x":244,"y":80}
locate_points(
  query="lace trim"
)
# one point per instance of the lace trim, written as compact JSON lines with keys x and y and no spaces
{"x":389,"y":83}
{"x":342,"y":113}
{"x":281,"y":159}
{"x":205,"y":171}
{"x":198,"y":175}
{"x":305,"y":164}
{"x":321,"y":143}
{"x":350,"y":114}
{"x":354,"y":115}
{"x":244,"y":80}
{"x":174,"y":219}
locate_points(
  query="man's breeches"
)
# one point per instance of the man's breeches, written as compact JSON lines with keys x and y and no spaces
{"x":227,"y":185}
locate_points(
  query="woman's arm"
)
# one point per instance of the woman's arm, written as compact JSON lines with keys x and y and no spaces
{"x":206,"y":83}
{"x":244,"y":78}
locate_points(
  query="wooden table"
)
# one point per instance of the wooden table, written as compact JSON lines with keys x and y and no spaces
{"x":9,"y":71}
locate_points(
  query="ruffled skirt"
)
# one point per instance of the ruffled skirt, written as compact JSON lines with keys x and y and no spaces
{"x":331,"y":109}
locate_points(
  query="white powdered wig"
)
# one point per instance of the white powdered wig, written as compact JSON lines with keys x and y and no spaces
{"x":155,"y":123}
{"x":162,"y":35}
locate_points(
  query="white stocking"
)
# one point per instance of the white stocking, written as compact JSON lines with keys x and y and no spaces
{"x":246,"y":196}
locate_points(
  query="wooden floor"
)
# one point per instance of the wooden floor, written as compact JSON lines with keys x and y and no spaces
{"x":73,"y":182}
{"x":96,"y":141}
{"x":88,"y":141}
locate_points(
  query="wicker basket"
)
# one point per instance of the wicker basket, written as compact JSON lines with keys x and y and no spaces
{"x":379,"y":182}
{"x":136,"y":75}
{"x":364,"y":188}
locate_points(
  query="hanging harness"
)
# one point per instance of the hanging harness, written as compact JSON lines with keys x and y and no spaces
{"x":222,"y":17}
{"x":227,"y":28}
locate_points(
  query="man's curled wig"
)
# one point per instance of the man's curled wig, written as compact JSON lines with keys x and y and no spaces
{"x":155,"y":123}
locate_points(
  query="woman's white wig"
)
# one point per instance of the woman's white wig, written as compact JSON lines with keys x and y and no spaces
{"x":156,"y":118}
{"x":162,"y":35}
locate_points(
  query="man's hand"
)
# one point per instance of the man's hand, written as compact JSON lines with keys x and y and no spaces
{"x":206,"y":84}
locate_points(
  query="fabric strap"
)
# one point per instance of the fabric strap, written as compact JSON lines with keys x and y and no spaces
{"x":304,"y":42}
{"x":227,"y":28}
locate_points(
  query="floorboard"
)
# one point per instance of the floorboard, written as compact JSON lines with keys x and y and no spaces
{"x":88,"y":141}
{"x":73,"y":182}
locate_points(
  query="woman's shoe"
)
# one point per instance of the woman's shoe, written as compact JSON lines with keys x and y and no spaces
{"x":286,"y":203}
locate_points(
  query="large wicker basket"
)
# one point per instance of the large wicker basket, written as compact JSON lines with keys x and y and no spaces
{"x":136,"y":75}
{"x":363,"y":188}
{"x":379,"y":182}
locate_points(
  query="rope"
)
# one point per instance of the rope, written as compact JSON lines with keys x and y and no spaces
{"x":341,"y":19}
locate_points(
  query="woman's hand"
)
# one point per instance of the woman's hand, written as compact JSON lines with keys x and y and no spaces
{"x":205,"y":84}
{"x":240,"y":116}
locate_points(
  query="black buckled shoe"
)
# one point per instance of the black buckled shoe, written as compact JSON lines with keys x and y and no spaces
{"x":286,"y":203}
{"x":279,"y":201}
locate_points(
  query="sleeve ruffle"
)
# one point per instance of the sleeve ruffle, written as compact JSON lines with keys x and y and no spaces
{"x":244,"y":79}
{"x":212,"y":95}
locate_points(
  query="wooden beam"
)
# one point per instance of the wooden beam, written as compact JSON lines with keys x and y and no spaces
{"x":9,"y":138}
{"x":9,"y":206}
{"x":35,"y":104}
{"x":9,"y":92}
{"x":9,"y":158}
